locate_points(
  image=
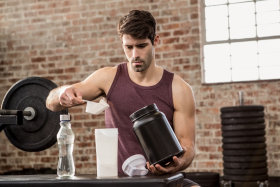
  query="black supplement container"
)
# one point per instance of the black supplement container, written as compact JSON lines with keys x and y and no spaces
{"x":155,"y":135}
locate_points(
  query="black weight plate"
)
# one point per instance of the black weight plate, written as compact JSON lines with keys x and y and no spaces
{"x":208,"y":184}
{"x":238,"y":127}
{"x":236,"y":165}
{"x":245,"y":184}
{"x":242,"y":115}
{"x":255,"y":171}
{"x":249,"y":152}
{"x":246,"y":177}
{"x":254,"y":139}
{"x":243,"y":133}
{"x":201,"y":175}
{"x":37,"y":134}
{"x":242,"y":108}
{"x":245,"y":159}
{"x":204,"y":177}
{"x":242,"y":121}
{"x":244,"y":146}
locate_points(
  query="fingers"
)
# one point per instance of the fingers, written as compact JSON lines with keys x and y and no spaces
{"x":161,"y":169}
{"x":70,"y":97}
{"x":171,"y":168}
{"x":176,"y":161}
{"x":154,"y":169}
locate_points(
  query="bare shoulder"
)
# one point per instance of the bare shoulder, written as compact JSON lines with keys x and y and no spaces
{"x":182,"y":93}
{"x":101,"y":76}
{"x":179,"y":86}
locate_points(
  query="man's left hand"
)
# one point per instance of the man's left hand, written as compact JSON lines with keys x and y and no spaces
{"x":173,"y":167}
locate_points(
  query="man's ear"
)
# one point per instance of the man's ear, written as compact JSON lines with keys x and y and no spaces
{"x":156,"y":40}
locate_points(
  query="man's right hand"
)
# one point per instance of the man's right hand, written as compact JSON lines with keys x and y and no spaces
{"x":70,"y":97}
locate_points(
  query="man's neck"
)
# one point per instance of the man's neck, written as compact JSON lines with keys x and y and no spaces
{"x":151,"y":76}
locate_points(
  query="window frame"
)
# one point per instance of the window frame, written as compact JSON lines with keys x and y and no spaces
{"x":228,"y":41}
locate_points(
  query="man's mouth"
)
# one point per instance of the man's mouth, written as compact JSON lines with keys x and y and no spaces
{"x":137,"y":63}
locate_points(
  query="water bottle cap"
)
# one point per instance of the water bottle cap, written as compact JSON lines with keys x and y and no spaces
{"x":65,"y":117}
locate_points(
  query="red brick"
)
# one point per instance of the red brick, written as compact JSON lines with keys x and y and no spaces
{"x":81,"y":117}
{"x":79,"y":22}
{"x":8,"y":154}
{"x":91,"y":124}
{"x":76,"y":125}
{"x":162,"y":20}
{"x":212,"y":126}
{"x":72,"y":70}
{"x":65,"y":77}
{"x":194,"y":16}
{"x":171,"y":55}
{"x":171,"y":26}
{"x":37,"y":20}
{"x":216,"y":156}
{"x":203,"y":133}
{"x":12,"y":3}
{"x":84,"y":145}
{"x":48,"y":65}
{"x":96,"y":20}
{"x":70,"y":57}
{"x":22,"y":48}
{"x":170,"y":40}
{"x":46,"y":12}
{"x":39,"y":59}
{"x":72,"y":16}
{"x":181,"y":46}
{"x":6,"y":74}
{"x":181,"y":32}
{"x":163,"y":48}
{"x":106,"y":53}
{"x":48,"y":159}
{"x":164,"y":34}
{"x":55,"y":71}
{"x":30,"y":66}
{"x":194,"y":2}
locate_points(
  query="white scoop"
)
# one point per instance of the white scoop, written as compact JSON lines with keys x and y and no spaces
{"x":135,"y":165}
{"x":96,"y":108}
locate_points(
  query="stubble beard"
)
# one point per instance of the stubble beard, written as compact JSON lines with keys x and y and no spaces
{"x":140,"y":68}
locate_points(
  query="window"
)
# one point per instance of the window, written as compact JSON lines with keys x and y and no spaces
{"x":241,"y":40}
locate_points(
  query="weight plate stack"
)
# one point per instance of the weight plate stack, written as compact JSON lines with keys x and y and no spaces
{"x":244,"y":147}
{"x":204,"y":179}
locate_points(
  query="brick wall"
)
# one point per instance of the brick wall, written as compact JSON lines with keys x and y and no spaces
{"x":65,"y":41}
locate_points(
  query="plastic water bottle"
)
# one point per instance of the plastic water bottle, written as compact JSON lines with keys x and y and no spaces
{"x":65,"y":140}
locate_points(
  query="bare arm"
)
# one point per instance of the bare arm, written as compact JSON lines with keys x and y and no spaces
{"x":98,"y":83}
{"x":184,"y":126}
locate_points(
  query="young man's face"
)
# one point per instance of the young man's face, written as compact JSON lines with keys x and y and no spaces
{"x":139,"y":52}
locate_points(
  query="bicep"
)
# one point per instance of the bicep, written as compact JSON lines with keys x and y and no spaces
{"x":184,"y":114}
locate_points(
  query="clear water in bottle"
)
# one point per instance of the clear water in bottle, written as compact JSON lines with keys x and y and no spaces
{"x":65,"y":140}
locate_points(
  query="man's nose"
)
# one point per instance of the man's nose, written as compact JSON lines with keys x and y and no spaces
{"x":135,"y":53}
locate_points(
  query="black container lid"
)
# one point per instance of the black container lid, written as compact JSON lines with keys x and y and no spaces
{"x":142,"y":112}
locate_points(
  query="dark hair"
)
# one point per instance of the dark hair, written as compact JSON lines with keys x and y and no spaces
{"x":139,"y":24}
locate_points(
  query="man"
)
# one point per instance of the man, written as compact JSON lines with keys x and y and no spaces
{"x":134,"y":85}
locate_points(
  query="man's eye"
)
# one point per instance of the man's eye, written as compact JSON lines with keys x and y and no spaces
{"x":129,"y":47}
{"x":141,"y":46}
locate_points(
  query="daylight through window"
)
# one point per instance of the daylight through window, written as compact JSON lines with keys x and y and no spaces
{"x":241,"y":40}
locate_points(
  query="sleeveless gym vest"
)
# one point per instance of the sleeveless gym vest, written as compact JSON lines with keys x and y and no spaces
{"x":124,"y":98}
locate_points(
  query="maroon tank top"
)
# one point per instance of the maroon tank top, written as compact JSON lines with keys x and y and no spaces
{"x":125,"y":97}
